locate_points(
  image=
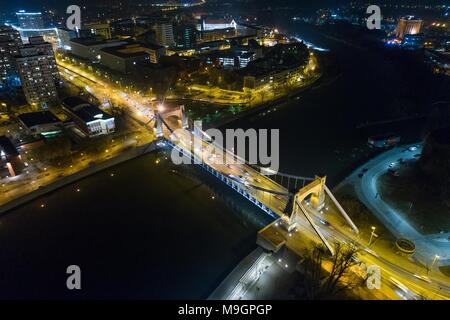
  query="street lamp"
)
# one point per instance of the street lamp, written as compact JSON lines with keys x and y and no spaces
{"x":436,"y":257}
{"x":371,"y":235}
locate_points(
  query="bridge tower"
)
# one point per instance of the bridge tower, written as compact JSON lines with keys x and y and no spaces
{"x":317,"y":199}
{"x":159,"y":126}
{"x":316,"y":191}
{"x":184,"y":118}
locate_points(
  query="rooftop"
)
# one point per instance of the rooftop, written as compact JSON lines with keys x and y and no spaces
{"x":411,"y":18}
{"x":94,"y":41}
{"x":131,"y":50}
{"x":84,"y":110}
{"x":7,"y":146}
{"x":32,"y":119}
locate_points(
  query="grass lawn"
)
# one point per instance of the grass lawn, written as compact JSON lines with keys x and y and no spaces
{"x":418,"y":202}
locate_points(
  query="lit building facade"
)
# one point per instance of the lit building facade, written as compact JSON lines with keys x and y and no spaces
{"x":10,"y":42}
{"x":164,"y":34}
{"x":38,"y":72}
{"x":30,"y":20}
{"x":99,"y":29}
{"x":212,"y":24}
{"x":90,"y":119}
{"x":11,"y":163}
{"x":408,"y":25}
{"x":64,"y":37}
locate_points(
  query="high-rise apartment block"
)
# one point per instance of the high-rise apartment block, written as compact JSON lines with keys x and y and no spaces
{"x":38,"y":72}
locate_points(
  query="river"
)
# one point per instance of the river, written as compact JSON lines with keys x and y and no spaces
{"x":147,"y":230}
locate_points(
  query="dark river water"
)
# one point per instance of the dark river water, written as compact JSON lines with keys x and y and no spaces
{"x":151,"y":231}
{"x":321,"y":132}
{"x":163,"y":231}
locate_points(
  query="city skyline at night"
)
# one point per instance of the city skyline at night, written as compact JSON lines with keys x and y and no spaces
{"x":207,"y":152}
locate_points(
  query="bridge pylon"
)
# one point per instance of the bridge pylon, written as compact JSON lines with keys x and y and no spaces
{"x":184,"y":118}
{"x":317,"y":200}
{"x":159,"y":126}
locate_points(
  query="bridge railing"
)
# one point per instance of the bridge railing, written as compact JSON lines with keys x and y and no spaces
{"x":288,"y":181}
{"x":247,"y":193}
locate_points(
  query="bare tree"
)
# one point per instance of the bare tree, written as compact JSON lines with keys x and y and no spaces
{"x":341,"y":277}
{"x":322,"y":284}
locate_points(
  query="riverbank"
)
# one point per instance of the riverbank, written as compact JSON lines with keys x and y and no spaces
{"x":143,"y":229}
{"x":264,"y":106}
{"x":64,"y":181}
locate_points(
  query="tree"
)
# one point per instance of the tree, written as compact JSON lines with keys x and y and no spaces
{"x":341,"y":277}
{"x":322,"y":284}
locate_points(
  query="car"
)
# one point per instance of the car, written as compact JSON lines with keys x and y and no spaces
{"x":279,"y":197}
{"x":423,"y":278}
{"x":405,"y":293}
{"x":360,"y":175}
{"x":412,"y":148}
{"x":237,"y":178}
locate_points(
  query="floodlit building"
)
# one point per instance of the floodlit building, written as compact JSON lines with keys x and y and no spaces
{"x":216,"y":34}
{"x":41,"y":122}
{"x":284,"y":64}
{"x":30,"y":20}
{"x":164,"y":34}
{"x":90,"y":119}
{"x":10,"y":160}
{"x":408,"y":25}
{"x":235,"y":58}
{"x":212,"y":24}
{"x":38,"y":72}
{"x":64,"y":37}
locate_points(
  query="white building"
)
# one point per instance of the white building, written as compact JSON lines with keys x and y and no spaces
{"x":213,"y":24}
{"x":90,"y":119}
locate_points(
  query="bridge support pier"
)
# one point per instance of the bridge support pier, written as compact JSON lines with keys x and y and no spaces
{"x":184,"y":118}
{"x":317,"y":199}
{"x":159,"y":126}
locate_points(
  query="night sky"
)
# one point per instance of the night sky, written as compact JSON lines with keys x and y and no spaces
{"x":39,"y":4}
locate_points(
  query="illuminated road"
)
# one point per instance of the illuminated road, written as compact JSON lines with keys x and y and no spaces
{"x":399,"y":281}
{"x":366,"y":190}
